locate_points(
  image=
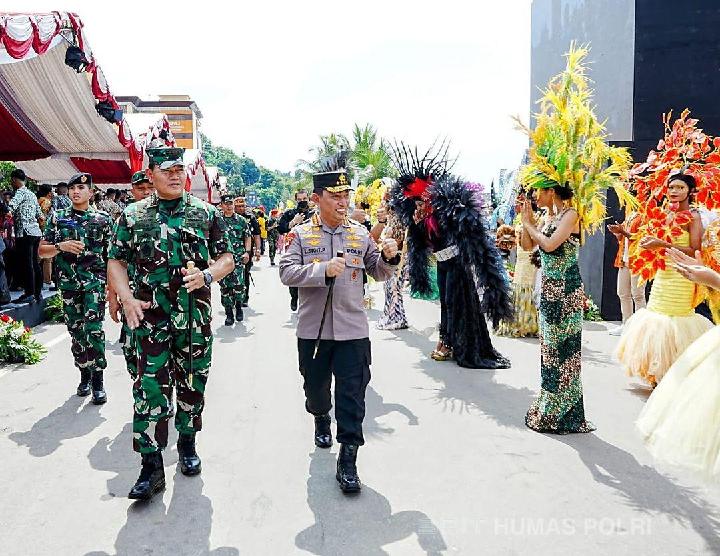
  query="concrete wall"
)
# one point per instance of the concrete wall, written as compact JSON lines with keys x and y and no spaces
{"x":608,"y":26}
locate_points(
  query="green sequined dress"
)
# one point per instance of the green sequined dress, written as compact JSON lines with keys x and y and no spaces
{"x":559,"y":407}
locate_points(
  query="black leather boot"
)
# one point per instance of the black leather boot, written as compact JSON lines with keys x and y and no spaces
{"x":229,"y":319}
{"x":190,"y":463}
{"x":323,"y":434}
{"x":98,"y":391}
{"x":152,"y":477}
{"x":239,"y":316}
{"x":347,"y":474}
{"x":83,"y":388}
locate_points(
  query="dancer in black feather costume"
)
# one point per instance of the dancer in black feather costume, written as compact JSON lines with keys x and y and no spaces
{"x":444,"y":217}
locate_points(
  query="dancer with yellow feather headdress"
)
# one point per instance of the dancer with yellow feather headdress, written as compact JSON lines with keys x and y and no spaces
{"x":571,"y":166}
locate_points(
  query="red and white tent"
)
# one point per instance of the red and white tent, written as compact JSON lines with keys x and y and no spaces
{"x":48,"y":117}
{"x":198,"y":181}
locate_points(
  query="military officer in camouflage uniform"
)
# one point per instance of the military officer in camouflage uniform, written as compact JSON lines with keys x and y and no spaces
{"x":311,"y":263}
{"x":78,"y":238}
{"x":273,"y":235}
{"x":232,"y":287}
{"x":254,"y":232}
{"x":168,"y":310}
{"x":140,"y":188}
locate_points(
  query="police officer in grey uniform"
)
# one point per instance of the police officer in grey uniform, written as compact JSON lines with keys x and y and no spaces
{"x":311,"y":264}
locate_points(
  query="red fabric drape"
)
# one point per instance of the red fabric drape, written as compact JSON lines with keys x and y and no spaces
{"x":15,"y":142}
{"x":104,"y":171}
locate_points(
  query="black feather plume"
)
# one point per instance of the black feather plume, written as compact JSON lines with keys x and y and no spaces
{"x":458,"y":209}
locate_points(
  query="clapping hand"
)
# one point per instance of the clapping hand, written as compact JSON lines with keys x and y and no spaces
{"x":617,"y":229}
{"x":693,"y":269}
{"x":389,"y":248}
{"x":528,"y":217}
{"x":652,"y":243}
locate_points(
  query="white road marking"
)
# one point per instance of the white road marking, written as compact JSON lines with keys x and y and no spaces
{"x":55,"y":341}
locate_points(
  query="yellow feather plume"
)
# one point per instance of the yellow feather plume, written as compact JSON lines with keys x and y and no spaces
{"x":569,"y":146}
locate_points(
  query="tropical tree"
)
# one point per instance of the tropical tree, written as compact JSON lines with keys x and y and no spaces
{"x":369,"y":155}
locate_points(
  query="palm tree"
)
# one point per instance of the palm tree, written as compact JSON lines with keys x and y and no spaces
{"x":370,"y":157}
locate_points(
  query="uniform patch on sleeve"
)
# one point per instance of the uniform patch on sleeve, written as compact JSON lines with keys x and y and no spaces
{"x":289,"y":238}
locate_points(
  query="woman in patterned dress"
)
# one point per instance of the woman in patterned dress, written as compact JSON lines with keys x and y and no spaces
{"x":525,"y":320}
{"x":559,"y":407}
{"x":393,"y":317}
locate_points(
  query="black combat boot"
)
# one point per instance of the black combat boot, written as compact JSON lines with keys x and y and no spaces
{"x":323,"y":435}
{"x":83,"y":388}
{"x":190,"y":463}
{"x":347,"y":474}
{"x":98,"y":391}
{"x":152,"y":477}
{"x":229,"y":319}
{"x":239,"y":316}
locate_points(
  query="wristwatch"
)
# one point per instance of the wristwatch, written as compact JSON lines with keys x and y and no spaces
{"x":208,"y":277}
{"x":57,"y":246}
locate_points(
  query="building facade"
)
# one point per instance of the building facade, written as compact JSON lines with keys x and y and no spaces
{"x":182,"y":112}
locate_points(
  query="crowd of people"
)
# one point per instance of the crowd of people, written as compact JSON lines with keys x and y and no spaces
{"x":24,"y":215}
{"x":152,"y":253}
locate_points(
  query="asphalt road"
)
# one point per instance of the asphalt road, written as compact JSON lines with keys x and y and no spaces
{"x":448,"y":467}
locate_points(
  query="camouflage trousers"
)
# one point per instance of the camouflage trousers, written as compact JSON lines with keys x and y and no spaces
{"x":84,"y":315}
{"x":272,"y":247}
{"x":128,"y":348}
{"x":232,"y":288}
{"x":162,"y":359}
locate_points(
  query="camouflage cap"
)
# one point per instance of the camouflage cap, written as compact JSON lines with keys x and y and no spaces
{"x":139,"y":177}
{"x":166,"y":157}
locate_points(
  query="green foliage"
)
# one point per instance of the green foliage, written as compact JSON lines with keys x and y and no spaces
{"x":54,"y":309}
{"x":591,"y":311}
{"x":369,"y":159}
{"x":17,"y":344}
{"x":5,"y":169}
{"x":244,"y":174}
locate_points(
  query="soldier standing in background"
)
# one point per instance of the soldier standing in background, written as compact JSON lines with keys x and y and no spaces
{"x":140,"y":188}
{"x":291,"y":218}
{"x":232,"y":287}
{"x":169,"y":310}
{"x":78,"y":238}
{"x":272,"y":235}
{"x":254,"y":230}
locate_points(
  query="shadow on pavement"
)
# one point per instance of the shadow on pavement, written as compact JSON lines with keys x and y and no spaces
{"x":228,"y":334}
{"x":467,"y":390}
{"x":117,"y":456}
{"x":182,"y":528}
{"x":376,"y":407}
{"x":70,"y":420}
{"x":361,"y":524}
{"x":643,"y":488}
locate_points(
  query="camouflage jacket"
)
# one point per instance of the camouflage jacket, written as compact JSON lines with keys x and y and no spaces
{"x":237,"y":228}
{"x":157,"y":238}
{"x":272,"y":228}
{"x":94,"y":228}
